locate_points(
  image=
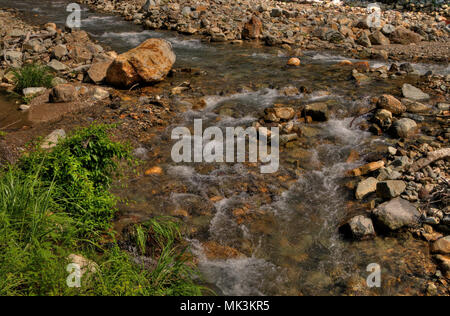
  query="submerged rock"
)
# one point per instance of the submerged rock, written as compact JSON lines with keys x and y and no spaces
{"x":361,"y":227}
{"x":148,"y":63}
{"x":390,"y":103}
{"x":405,"y":127}
{"x":441,"y":246}
{"x":318,"y":111}
{"x":396,"y":214}
{"x":413,"y":93}
{"x":372,"y":166}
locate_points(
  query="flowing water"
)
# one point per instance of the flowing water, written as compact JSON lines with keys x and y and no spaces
{"x":283,"y":225}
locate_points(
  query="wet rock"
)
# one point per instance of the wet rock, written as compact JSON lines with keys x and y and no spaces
{"x":284,"y":113}
{"x":215,"y":251}
{"x":156,"y":170}
{"x":148,"y":63}
{"x":318,"y":111}
{"x":360,"y":78}
{"x":415,"y":107}
{"x":390,"y":189}
{"x":288,"y":138}
{"x":408,"y":68}
{"x":404,"y":36}
{"x":63,"y":93}
{"x":289,"y":91}
{"x":52,"y":140}
{"x":413,"y":93}
{"x":361,"y":227}
{"x":441,"y":246}
{"x":294,"y":62}
{"x":383,"y":118}
{"x":404,"y":127}
{"x":396,"y":214}
{"x":57,"y":65}
{"x":366,"y":187}
{"x":252,"y":29}
{"x":367,"y":168}
{"x":390,"y":103}
{"x":444,"y":264}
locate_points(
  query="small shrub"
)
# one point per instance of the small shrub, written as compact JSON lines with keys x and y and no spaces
{"x":31,"y":76}
{"x":82,"y":166}
{"x":55,"y":203}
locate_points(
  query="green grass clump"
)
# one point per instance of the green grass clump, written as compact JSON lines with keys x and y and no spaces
{"x":32,"y":76}
{"x":56,"y":203}
{"x":82,"y":167}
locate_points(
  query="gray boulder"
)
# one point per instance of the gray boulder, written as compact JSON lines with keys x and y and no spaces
{"x":396,"y":214}
{"x":404,"y":128}
{"x":361,"y":227}
{"x":413,"y":93}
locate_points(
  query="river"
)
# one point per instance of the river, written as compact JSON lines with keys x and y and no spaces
{"x":284,"y":225}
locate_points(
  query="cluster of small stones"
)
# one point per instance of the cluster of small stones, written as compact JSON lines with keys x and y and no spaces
{"x":286,"y":23}
{"x":407,"y":187}
{"x":70,"y":55}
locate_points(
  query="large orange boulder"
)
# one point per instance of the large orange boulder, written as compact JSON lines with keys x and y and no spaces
{"x":148,"y":63}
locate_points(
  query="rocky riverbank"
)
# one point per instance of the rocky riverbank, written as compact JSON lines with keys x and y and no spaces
{"x":405,"y":35}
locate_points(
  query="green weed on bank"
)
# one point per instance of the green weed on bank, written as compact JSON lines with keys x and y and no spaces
{"x":56,"y":203}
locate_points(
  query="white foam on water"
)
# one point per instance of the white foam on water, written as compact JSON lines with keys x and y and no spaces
{"x":187,"y":44}
{"x":238,"y":276}
{"x":341,"y":130}
{"x":264,"y":97}
{"x":99,"y":20}
{"x":132,"y":38}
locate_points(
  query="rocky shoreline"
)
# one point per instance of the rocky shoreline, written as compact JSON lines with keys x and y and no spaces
{"x":403,"y":188}
{"x":401,"y":35}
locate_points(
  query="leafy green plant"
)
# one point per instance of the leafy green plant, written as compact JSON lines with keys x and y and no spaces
{"x":56,"y":203}
{"x":31,"y":76}
{"x":82,"y":166}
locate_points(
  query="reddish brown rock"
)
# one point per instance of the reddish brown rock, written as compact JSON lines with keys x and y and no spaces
{"x":390,"y":103}
{"x":252,"y":29}
{"x":404,"y":36}
{"x":148,"y":63}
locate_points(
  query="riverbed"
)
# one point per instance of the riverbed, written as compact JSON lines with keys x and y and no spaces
{"x":281,"y":229}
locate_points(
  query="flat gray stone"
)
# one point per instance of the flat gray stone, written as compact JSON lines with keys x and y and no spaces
{"x":413,"y":93}
{"x":396,"y":214}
